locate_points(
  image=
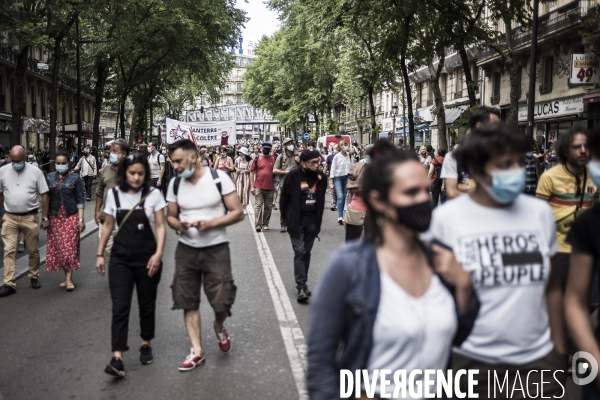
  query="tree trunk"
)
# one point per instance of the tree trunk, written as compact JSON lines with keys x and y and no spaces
{"x":439,"y":101}
{"x":316,"y":114}
{"x":514,"y":94}
{"x":18,"y":100}
{"x":468,"y":76}
{"x":122,"y":112}
{"x":102,"y":75}
{"x":411,"y":122}
{"x":54,"y":100}
{"x":374,"y":134}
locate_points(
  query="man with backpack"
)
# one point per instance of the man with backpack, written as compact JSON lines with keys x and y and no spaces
{"x":438,"y":191}
{"x":284,"y":163}
{"x":202,"y":202}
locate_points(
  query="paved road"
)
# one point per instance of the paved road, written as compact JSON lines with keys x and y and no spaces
{"x":54,"y":344}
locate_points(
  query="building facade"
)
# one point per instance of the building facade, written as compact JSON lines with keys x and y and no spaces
{"x":251,"y":122}
{"x":37,"y":100}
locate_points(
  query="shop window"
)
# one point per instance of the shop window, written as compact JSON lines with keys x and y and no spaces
{"x":546,"y":86}
{"x":496,"y":81}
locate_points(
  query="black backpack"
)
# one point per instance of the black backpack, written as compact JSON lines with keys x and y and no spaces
{"x":217,"y":181}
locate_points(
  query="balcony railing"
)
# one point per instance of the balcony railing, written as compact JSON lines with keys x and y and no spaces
{"x":546,"y":88}
{"x":11,"y":54}
{"x":563,"y":17}
{"x":495,"y":99}
{"x":458,"y":95}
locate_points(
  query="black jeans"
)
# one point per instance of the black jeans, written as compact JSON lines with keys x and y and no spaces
{"x":302,"y":243}
{"x":122,"y":277}
{"x":87,"y":181}
{"x":353,"y":232}
{"x":437,"y":196}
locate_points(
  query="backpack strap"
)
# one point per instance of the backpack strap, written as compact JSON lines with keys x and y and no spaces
{"x":116,"y":196}
{"x":217,"y":181}
{"x":176,"y":185}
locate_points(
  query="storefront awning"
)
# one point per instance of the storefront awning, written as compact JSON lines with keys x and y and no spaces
{"x":452,"y":114}
{"x":592,"y":97}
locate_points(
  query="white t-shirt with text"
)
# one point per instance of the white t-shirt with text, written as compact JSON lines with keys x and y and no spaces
{"x":201,"y":201}
{"x":507,"y":251}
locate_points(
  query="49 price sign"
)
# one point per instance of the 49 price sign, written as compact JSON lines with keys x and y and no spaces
{"x":585,"y":69}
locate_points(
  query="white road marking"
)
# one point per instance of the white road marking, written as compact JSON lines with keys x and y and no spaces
{"x":295,"y":344}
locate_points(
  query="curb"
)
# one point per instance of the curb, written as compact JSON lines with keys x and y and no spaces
{"x":22,"y":264}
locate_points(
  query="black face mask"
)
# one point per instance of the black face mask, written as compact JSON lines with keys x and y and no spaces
{"x":416,"y":217}
{"x":266,"y":151}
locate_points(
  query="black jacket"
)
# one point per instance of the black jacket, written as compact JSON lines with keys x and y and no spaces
{"x":291,"y":197}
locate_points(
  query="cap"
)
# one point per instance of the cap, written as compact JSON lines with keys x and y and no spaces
{"x":268,"y":145}
{"x":244,"y":151}
{"x":287,"y":140}
{"x":31,"y":157}
{"x":309,"y":155}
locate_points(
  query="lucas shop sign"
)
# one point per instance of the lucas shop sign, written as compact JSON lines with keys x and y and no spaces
{"x":553,"y":108}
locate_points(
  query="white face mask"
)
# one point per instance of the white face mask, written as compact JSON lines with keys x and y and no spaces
{"x":290,"y":148}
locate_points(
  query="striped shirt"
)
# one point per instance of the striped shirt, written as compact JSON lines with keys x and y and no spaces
{"x":558,"y":187}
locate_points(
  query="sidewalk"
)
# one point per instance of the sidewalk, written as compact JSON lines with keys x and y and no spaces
{"x":22,"y":264}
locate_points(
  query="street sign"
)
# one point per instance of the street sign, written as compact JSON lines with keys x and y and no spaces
{"x":306,"y":136}
{"x":42,"y":66}
{"x":300,"y":138}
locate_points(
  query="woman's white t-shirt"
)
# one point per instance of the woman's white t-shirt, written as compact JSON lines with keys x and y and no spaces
{"x":412,"y":333}
{"x":153,"y":203}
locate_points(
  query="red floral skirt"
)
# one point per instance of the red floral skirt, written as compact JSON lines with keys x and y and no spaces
{"x":63,"y":243}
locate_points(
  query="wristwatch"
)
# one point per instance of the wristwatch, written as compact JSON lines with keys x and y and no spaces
{"x":81,"y":220}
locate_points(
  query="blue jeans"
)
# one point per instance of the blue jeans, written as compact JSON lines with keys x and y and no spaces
{"x":340,"y":182}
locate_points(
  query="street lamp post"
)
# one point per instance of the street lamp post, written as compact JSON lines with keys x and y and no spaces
{"x":394,"y":112}
{"x":79,"y":147}
{"x":532,"y":62}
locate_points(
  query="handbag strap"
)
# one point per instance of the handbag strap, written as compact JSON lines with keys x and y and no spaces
{"x":130,"y":211}
{"x":59,"y":183}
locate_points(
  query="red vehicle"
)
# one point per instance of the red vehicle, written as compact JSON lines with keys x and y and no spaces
{"x":328,"y":140}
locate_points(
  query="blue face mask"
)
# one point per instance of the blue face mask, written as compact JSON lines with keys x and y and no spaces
{"x":507,"y":185}
{"x":529,"y":154}
{"x":18,"y":166}
{"x":367,"y":159}
{"x":346,"y":148}
{"x":594,"y":168}
{"x":114,"y":159}
{"x":61,"y":169}
{"x":335,"y":151}
{"x":188,"y":171}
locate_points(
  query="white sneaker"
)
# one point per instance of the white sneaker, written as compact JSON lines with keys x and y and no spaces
{"x":245,"y":212}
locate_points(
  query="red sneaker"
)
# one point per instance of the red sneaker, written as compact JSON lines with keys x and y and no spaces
{"x":191,"y":361}
{"x":224,"y":341}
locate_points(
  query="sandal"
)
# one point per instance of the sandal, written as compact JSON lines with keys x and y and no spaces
{"x":70,"y":287}
{"x":63,"y":284}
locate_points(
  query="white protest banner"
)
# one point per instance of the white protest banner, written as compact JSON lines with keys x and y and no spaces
{"x":202,"y":133}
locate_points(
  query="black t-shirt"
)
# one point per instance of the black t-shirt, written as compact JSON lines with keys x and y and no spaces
{"x":308,"y":209}
{"x":329,"y":161}
{"x":585,"y":237}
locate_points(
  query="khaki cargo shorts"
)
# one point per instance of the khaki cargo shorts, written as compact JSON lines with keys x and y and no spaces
{"x":209,"y":264}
